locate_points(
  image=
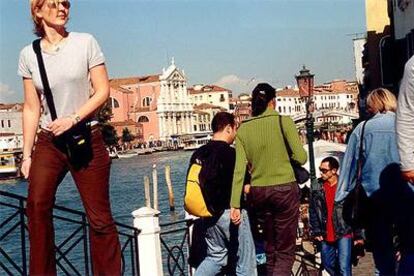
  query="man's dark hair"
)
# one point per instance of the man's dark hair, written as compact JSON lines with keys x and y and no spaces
{"x":221,"y":120}
{"x":333,"y":163}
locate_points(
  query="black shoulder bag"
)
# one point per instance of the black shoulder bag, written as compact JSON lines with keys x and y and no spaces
{"x":76,"y":141}
{"x":301,"y":174}
{"x":355,"y":208}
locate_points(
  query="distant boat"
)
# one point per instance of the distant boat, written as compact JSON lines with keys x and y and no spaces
{"x":158,"y":149}
{"x":126,"y":154}
{"x":196,"y":142}
{"x":144,"y":151}
{"x":8,"y":166}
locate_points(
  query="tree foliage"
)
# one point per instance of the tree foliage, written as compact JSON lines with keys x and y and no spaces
{"x":108,"y":131}
{"x":127,"y":135}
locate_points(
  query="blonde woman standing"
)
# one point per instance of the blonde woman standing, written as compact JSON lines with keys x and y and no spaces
{"x":380,"y":176}
{"x":72,"y":62}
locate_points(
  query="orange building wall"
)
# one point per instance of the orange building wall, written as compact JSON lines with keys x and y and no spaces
{"x":151,"y":128}
{"x":120,"y":114}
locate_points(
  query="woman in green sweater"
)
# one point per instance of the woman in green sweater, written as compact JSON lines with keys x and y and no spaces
{"x":274,"y":192}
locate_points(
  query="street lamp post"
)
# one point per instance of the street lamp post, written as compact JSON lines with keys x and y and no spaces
{"x":305,"y":84}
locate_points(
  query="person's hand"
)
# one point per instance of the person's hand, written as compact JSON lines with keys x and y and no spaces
{"x":359,"y":241}
{"x":60,"y":125}
{"x":26,"y":163}
{"x":319,"y":238}
{"x":246,"y":189}
{"x":235,"y":215}
{"x":408,"y":176}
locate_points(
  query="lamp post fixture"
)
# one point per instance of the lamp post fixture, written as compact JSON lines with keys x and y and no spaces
{"x":305,"y":84}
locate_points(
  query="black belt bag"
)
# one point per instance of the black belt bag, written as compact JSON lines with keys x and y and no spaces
{"x":75,"y":142}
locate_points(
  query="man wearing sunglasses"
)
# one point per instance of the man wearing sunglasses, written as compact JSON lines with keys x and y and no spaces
{"x":336,"y":247}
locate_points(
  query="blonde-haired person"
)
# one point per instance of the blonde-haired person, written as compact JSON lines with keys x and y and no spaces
{"x":72,"y":61}
{"x":380,"y":175}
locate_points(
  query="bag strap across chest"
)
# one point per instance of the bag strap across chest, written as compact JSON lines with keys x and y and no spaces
{"x":46,"y":87}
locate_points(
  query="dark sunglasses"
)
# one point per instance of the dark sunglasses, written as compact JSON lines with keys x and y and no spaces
{"x":322,"y":170}
{"x":55,"y":4}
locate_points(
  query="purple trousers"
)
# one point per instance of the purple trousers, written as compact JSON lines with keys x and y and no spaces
{"x":49,"y":166}
{"x":278,"y":205}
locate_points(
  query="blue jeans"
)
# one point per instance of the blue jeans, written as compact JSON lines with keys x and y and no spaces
{"x":219,"y":241}
{"x":336,"y":256}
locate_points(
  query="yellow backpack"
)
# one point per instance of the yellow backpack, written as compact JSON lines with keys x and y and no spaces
{"x":194,"y":202}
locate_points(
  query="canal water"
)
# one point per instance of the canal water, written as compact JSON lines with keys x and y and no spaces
{"x":127,"y":185}
{"x":127,"y":192}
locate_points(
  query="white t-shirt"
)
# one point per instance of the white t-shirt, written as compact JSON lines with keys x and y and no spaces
{"x":68,"y":73}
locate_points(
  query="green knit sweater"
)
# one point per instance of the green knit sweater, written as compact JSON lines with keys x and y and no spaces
{"x":260,"y":144}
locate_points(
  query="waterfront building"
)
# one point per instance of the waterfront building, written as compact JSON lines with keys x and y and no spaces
{"x":159,"y":103}
{"x":201,"y":121}
{"x":338,"y":96}
{"x":210,"y":94}
{"x":11,"y":130}
{"x":241,"y":107}
{"x":333,"y":102}
{"x":203,"y":114}
{"x":359,"y":45}
{"x":11,"y":119}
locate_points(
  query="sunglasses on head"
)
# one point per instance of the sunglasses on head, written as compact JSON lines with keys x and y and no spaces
{"x":55,"y":4}
{"x":322,"y":170}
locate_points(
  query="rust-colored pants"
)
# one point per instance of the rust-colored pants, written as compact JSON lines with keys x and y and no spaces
{"x":48,"y":168}
{"x":278,"y":205}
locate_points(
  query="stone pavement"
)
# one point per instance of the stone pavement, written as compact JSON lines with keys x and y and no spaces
{"x":365,"y":266}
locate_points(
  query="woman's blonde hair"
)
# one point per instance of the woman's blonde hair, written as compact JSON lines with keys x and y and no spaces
{"x":381,"y":100}
{"x":35,"y":5}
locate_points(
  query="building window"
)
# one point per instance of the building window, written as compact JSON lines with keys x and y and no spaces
{"x":143,"y":119}
{"x":2,"y":124}
{"x":222,"y":98}
{"x":195,"y":127}
{"x":146,"y":101}
{"x":9,"y":123}
{"x":114,"y":103}
{"x":280,"y":109}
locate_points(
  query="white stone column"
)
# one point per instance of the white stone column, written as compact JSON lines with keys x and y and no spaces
{"x":174,"y":123}
{"x":192,"y":123}
{"x":164,"y":126}
{"x":168,"y":125}
{"x":149,"y":244}
{"x":189,"y":126}
{"x":161,"y":125}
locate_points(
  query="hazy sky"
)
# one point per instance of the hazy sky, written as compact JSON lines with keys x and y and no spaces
{"x":226,"y":42}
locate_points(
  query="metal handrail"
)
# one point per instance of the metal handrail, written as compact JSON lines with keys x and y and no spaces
{"x":176,"y":255}
{"x":128,"y":236}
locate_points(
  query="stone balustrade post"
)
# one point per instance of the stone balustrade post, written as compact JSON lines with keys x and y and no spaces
{"x":149,"y":243}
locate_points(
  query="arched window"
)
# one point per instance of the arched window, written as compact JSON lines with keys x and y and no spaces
{"x":143,"y":119}
{"x":114,"y":103}
{"x":146,"y":101}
